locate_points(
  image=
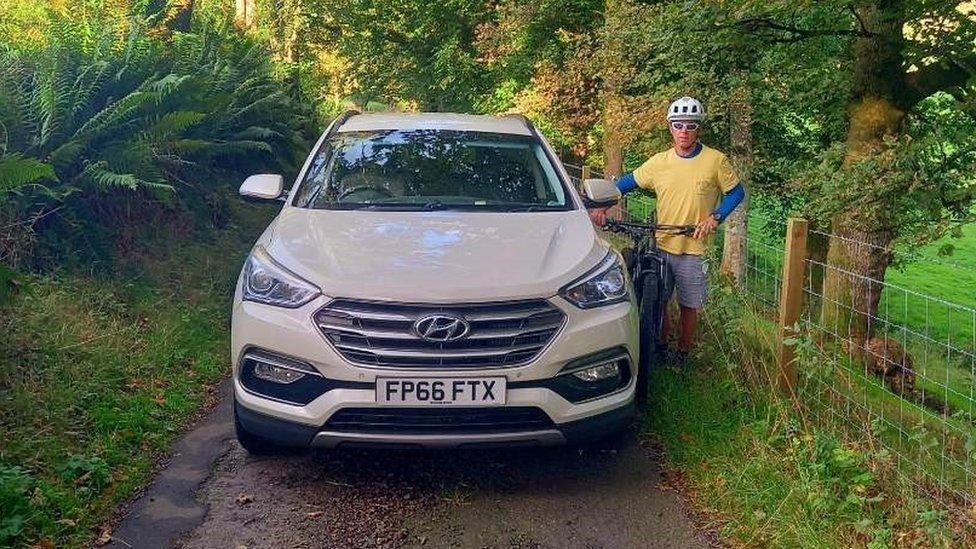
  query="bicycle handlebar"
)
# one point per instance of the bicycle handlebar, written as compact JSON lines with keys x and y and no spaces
{"x":640,"y":229}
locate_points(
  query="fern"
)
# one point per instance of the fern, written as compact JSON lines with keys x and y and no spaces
{"x":174,"y":123}
{"x":99,"y":175}
{"x":253,"y":133}
{"x":17,"y":171}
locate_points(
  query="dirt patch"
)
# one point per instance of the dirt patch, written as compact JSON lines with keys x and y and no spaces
{"x":606,"y":496}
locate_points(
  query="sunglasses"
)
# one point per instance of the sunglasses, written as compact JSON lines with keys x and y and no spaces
{"x":690,"y":126}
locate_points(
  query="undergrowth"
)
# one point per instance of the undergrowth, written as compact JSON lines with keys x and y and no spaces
{"x":763,"y":472}
{"x":100,"y":371}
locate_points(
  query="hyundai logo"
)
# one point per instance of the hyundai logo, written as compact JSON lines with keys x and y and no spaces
{"x":441,"y":328}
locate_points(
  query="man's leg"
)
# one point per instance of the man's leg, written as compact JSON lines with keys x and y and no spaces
{"x":691,"y":283}
{"x":689,"y":323}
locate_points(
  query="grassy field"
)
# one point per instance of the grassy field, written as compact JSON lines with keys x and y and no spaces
{"x":99,"y":373}
{"x":926,"y":292}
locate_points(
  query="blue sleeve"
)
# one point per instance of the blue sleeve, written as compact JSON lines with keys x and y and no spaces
{"x":730,"y":201}
{"x":627,"y":183}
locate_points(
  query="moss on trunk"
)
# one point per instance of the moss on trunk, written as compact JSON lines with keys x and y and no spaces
{"x":858,"y":256}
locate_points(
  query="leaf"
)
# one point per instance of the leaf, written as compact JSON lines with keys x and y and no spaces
{"x":174,"y":123}
{"x":104,"y":537}
{"x":99,"y":175}
{"x":10,"y":282}
{"x":17,"y":171}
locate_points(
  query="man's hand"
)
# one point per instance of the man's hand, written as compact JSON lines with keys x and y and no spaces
{"x":705,"y":227}
{"x":599,"y":216}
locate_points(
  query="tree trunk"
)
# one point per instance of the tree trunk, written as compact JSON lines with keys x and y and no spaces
{"x":735,"y":250}
{"x":244,"y":13}
{"x":291,"y":27}
{"x":613,"y":151}
{"x":858,"y":255}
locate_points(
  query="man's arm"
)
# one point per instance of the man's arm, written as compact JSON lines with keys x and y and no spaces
{"x":626,"y":184}
{"x":730,"y":201}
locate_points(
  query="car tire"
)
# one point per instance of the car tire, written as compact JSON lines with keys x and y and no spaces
{"x":254,"y":444}
{"x":650,"y":314}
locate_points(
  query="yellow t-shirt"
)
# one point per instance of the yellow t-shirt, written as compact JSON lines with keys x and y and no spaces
{"x":688,"y":190}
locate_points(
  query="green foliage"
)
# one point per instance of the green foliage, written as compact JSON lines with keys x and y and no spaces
{"x":17,"y":171}
{"x":414,"y":51}
{"x":142,"y":125}
{"x":121,"y":362}
{"x":15,"y":488}
{"x":770,"y":473}
{"x":87,"y":473}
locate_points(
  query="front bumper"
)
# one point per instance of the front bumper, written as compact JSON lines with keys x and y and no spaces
{"x":297,"y":421}
{"x":286,"y":433}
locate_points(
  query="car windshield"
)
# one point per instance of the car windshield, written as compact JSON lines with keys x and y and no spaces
{"x":432,"y":170}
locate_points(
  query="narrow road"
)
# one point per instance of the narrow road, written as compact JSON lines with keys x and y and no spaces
{"x":608,"y":496}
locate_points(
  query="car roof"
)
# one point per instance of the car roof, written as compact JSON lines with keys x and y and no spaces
{"x":516,"y":125}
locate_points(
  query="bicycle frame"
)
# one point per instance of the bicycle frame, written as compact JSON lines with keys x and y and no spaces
{"x":647,"y":260}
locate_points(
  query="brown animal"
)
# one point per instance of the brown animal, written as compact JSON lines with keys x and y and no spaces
{"x":887,"y":358}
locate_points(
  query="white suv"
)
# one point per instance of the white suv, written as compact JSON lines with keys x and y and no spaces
{"x":432,"y":280}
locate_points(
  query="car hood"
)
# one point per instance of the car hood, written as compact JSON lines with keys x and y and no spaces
{"x":443,"y":256}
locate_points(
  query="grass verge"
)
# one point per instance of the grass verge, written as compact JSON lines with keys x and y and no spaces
{"x":763,"y":473}
{"x":99,"y":373}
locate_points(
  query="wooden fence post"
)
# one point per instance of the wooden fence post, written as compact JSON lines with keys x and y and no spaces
{"x":790,"y":299}
{"x":585,"y":173}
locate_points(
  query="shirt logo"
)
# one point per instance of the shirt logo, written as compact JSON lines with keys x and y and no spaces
{"x":441,"y":328}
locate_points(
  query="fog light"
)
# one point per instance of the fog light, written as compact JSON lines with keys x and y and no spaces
{"x":276,"y":374}
{"x":599,"y":372}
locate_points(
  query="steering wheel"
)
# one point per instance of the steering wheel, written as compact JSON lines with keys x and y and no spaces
{"x":377,"y":189}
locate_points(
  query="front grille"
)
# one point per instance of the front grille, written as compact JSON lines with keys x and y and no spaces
{"x":439,"y":420}
{"x":381,"y":334}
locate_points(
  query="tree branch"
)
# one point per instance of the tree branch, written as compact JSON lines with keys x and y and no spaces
{"x":942,"y":76}
{"x":857,"y":16}
{"x":762,"y":25}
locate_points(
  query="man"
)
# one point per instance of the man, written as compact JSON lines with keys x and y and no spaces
{"x":688,"y":180}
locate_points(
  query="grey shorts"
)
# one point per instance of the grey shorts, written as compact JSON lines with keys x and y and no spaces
{"x":688,"y":273}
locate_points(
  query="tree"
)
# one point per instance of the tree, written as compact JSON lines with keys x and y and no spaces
{"x":878,"y":184}
{"x":244,"y":13}
{"x":407,"y":51}
{"x":539,"y":58}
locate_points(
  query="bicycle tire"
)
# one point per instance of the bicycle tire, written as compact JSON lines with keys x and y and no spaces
{"x":649,"y":309}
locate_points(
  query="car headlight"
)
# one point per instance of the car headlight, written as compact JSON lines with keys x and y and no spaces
{"x":265,"y":281}
{"x":605,"y":285}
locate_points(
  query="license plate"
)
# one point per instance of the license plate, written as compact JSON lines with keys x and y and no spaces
{"x":435,"y":391}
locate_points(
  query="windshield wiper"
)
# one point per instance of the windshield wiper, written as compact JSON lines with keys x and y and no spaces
{"x":436,"y":205}
{"x":526,"y":207}
{"x":403,"y":206}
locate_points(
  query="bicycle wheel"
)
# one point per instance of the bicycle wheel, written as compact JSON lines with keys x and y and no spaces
{"x":649,"y":308}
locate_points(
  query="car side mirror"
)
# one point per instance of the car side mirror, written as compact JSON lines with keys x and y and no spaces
{"x":601,"y":193}
{"x":265,"y":185}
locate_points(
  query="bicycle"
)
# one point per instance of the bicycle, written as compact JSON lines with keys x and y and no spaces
{"x":646,"y":267}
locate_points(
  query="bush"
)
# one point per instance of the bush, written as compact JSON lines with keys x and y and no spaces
{"x":15,"y":486}
{"x":99,"y":135}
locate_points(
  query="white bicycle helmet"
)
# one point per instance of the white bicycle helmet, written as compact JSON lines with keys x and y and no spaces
{"x":686,"y":108}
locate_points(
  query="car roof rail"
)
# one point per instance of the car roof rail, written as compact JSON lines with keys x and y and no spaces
{"x":340,"y":120}
{"x":525,"y":120}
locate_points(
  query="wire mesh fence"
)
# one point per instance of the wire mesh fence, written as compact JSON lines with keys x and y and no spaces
{"x":634,"y":206}
{"x":890,"y":367}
